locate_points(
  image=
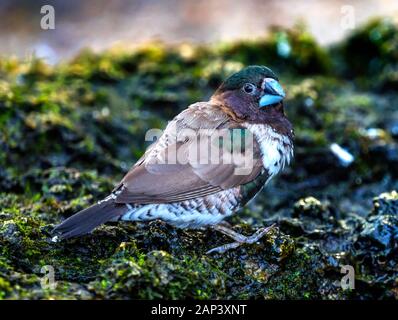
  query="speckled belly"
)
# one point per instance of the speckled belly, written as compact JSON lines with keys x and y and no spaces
{"x":195,"y":213}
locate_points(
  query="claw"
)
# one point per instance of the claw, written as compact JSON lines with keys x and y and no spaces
{"x":239,"y":238}
{"x":224,"y":248}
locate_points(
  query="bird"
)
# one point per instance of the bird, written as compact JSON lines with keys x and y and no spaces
{"x":191,"y":192}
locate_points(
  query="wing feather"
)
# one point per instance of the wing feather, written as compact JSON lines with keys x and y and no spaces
{"x":157,"y":179}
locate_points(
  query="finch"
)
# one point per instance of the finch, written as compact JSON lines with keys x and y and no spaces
{"x":210,"y":160}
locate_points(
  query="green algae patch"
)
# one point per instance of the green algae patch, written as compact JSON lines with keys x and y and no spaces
{"x":69,"y":132}
{"x":158,"y":274}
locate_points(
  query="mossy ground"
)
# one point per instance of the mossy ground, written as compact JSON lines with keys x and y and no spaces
{"x":69,"y":132}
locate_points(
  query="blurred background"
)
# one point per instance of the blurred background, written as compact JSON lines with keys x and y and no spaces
{"x":76,"y":102}
{"x":99,"y":24}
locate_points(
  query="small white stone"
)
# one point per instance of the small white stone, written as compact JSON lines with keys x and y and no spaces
{"x":343,"y":155}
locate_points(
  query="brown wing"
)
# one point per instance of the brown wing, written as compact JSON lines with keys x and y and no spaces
{"x":170,"y":170}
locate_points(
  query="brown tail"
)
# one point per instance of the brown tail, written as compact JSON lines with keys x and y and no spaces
{"x":86,"y":220}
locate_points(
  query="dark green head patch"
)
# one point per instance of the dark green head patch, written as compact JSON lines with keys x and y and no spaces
{"x":251,"y":74}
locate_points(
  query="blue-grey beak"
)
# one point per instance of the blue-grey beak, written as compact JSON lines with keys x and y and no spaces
{"x":273,"y":93}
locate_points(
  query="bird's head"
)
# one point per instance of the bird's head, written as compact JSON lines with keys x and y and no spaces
{"x":252,"y":94}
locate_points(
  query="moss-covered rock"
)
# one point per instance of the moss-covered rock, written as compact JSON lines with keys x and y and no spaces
{"x":386,"y":204}
{"x":370,"y":48}
{"x":69,"y":132}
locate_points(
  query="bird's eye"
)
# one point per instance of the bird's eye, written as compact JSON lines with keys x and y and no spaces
{"x":249,"y":88}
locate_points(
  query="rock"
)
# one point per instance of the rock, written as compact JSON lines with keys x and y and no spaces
{"x":68,"y":133}
{"x":386,"y":204}
{"x":377,"y":246}
{"x":314,"y":215}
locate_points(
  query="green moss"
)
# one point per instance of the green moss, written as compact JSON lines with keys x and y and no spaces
{"x":370,"y":48}
{"x":5,"y":288}
{"x":284,"y":50}
{"x":69,"y":132}
{"x":157,"y":274}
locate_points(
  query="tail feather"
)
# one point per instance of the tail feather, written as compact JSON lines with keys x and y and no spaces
{"x":86,"y":220}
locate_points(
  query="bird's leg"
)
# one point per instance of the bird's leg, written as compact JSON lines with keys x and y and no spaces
{"x":239,"y":238}
{"x":225,"y":224}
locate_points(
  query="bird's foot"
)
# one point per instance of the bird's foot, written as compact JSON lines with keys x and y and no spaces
{"x":225,"y":224}
{"x":239,"y":238}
